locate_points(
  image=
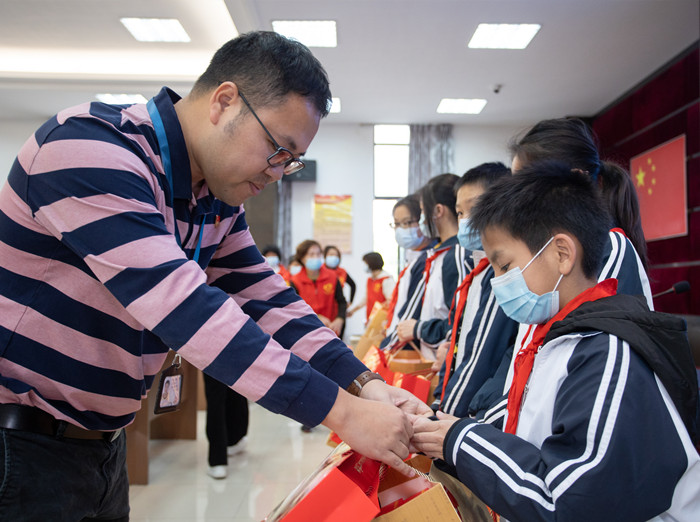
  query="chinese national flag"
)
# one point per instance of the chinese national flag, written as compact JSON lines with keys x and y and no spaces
{"x":659,"y":177}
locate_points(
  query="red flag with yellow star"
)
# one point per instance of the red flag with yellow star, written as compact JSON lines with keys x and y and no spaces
{"x":659,"y":177}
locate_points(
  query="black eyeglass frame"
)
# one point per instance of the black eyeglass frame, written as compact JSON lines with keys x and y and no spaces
{"x":292,"y":164}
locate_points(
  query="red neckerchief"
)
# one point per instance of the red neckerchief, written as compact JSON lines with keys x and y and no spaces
{"x":525,"y":359}
{"x":394,"y":298}
{"x":462,"y":290}
{"x":429,"y":264}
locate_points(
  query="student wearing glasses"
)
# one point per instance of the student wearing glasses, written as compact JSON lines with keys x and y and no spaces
{"x":407,"y":297}
{"x":123,"y":236}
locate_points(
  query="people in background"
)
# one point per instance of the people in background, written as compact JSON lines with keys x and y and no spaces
{"x":226,"y":425}
{"x":319,"y":286}
{"x":123,"y":236}
{"x":332,"y":258}
{"x":273,"y":256}
{"x":294,"y":266}
{"x":380,"y":284}
{"x":407,"y":298}
{"x":603,"y":384}
{"x":446,"y":265}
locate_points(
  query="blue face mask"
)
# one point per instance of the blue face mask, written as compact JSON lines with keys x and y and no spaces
{"x":332,"y":261}
{"x":468,"y":237}
{"x":408,"y":238}
{"x":273,"y":261}
{"x":294,"y":269}
{"x":423,"y":226}
{"x":314,"y":263}
{"x":519,"y":302}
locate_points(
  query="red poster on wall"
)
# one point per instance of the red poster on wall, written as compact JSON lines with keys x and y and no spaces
{"x":659,"y":177}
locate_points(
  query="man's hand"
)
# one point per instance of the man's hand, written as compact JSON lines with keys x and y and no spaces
{"x":405,"y":330}
{"x":440,"y":355}
{"x":375,"y":429}
{"x":429,"y":435}
{"x":336,"y":325}
{"x":380,"y":391}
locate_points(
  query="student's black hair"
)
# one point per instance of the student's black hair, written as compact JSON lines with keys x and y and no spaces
{"x":412,"y":204}
{"x":374,"y":260}
{"x":547,"y":199}
{"x":570,"y":140}
{"x":438,"y":190}
{"x":266,"y":67}
{"x":271,"y":249}
{"x":332,"y":247}
{"x":485,"y":174}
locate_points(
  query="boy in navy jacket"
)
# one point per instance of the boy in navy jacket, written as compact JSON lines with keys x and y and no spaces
{"x":602,"y":412}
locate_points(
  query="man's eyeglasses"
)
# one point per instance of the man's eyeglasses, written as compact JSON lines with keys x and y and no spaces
{"x":281,"y":156}
{"x":404,"y":224}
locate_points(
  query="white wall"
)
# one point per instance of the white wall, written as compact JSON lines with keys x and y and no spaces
{"x":13,"y":134}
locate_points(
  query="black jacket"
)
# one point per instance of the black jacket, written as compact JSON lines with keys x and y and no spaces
{"x":660,"y":339}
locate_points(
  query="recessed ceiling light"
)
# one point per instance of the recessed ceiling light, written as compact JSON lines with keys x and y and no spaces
{"x":335,"y":105}
{"x":156,"y":29}
{"x":121,"y":99}
{"x":503,"y":36}
{"x":461,"y":106}
{"x":312,"y":33}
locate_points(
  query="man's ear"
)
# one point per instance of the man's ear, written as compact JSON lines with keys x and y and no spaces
{"x":567,"y":250}
{"x":224,"y":97}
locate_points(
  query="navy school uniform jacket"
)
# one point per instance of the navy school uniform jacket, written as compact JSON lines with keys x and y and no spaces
{"x":621,"y":262}
{"x":485,"y":334}
{"x":408,"y":307}
{"x":606,"y":429}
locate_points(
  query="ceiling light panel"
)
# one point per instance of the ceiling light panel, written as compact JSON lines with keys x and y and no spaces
{"x":461,"y":105}
{"x":312,"y":33}
{"x":156,"y":29}
{"x":503,"y":36}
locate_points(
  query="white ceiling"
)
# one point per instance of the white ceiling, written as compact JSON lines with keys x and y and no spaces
{"x":395,"y":59}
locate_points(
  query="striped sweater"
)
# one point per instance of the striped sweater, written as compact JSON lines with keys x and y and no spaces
{"x":95,"y":287}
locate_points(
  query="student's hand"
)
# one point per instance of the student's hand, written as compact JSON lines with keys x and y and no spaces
{"x":336,"y":325}
{"x":375,"y":429}
{"x":380,"y":391}
{"x":429,"y":435}
{"x":440,"y":355}
{"x":405,"y":330}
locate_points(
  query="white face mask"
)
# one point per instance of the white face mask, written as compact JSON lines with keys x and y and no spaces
{"x":408,"y":238}
{"x":273,"y":261}
{"x":519,"y":302}
{"x":425,"y":230}
{"x":294,"y":269}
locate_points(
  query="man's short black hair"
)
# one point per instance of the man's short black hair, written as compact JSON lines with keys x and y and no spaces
{"x":545,"y":199}
{"x":485,"y":174}
{"x":266,"y":67}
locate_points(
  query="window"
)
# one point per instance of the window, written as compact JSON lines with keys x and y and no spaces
{"x":390,"y":185}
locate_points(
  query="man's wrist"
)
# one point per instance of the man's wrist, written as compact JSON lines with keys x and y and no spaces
{"x":361,"y":380}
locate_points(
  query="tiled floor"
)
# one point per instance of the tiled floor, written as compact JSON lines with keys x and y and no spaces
{"x":278,"y":457}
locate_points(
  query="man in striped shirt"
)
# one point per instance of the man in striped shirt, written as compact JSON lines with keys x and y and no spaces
{"x":122,"y":235}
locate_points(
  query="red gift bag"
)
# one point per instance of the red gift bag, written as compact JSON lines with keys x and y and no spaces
{"x":417,"y":384}
{"x":342,"y":489}
{"x":376,"y":360}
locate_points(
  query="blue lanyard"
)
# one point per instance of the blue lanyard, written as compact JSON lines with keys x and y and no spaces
{"x":168,"y":167}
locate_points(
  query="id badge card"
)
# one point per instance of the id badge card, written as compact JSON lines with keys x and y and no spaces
{"x":170,"y":388}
